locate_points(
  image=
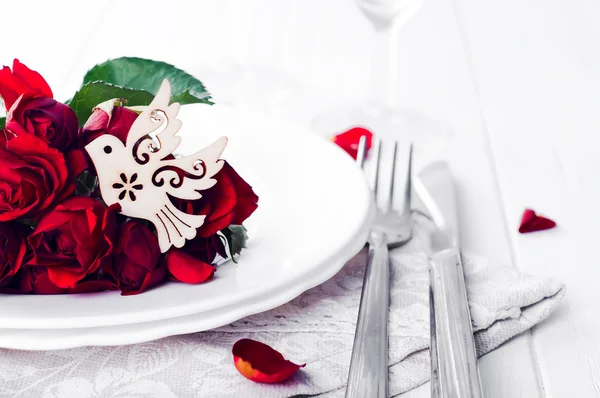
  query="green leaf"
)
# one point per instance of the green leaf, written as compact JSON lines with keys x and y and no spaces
{"x":94,"y":93}
{"x":27,"y":221}
{"x":236,"y":239}
{"x":86,"y":183}
{"x":147,"y":75}
{"x":2,"y":122}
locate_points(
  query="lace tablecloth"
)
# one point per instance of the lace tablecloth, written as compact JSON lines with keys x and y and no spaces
{"x":316,"y":328}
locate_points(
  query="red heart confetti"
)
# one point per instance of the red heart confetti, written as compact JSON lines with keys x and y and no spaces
{"x":348,"y":140}
{"x":531,"y":222}
{"x":258,"y":362}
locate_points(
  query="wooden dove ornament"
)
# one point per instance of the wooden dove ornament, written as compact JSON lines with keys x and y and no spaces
{"x":138,"y":176}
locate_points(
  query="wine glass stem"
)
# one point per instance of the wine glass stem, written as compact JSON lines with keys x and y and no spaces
{"x":383,"y":67}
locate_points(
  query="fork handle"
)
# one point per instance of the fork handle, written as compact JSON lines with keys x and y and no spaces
{"x":453,"y":356}
{"x":368,"y":375}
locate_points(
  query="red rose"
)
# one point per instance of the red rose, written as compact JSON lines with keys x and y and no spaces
{"x":36,"y":280}
{"x":117,"y":123}
{"x":49,"y":120}
{"x":12,"y":250}
{"x":230,"y":201}
{"x":136,"y":264}
{"x":21,"y":80}
{"x":33,"y":176}
{"x":74,"y":240}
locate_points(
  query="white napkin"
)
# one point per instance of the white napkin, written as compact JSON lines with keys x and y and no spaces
{"x":316,"y":328}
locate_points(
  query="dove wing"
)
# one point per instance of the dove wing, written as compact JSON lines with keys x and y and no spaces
{"x":153,"y":135}
{"x":185,"y":177}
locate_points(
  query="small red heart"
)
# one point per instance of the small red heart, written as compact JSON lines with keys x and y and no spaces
{"x":348,"y":140}
{"x":531,"y":222}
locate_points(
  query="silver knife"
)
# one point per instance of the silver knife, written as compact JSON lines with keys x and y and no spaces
{"x":453,"y":357}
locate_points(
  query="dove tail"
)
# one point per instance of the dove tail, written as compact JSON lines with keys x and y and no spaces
{"x":174,"y":227}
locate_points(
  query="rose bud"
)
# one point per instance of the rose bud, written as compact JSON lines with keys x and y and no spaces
{"x":230,"y":201}
{"x":259,"y":362}
{"x":136,"y":265}
{"x":109,"y":119}
{"x":74,"y":240}
{"x":12,"y":250}
{"x":33,"y":177}
{"x":49,"y":120}
{"x":21,"y":80}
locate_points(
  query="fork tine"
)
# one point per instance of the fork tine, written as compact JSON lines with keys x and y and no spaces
{"x":392,"y":177}
{"x":377,"y":167}
{"x":362,"y":151}
{"x":408,"y":186}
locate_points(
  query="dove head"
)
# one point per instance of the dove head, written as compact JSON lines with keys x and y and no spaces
{"x":105,"y":150}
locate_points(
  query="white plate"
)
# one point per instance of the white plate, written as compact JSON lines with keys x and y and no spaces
{"x":313,"y":216}
{"x":56,"y":339}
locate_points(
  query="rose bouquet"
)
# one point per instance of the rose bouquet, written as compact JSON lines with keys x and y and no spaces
{"x":57,"y":235}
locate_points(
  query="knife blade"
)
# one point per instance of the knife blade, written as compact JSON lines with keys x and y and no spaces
{"x":454,"y":370}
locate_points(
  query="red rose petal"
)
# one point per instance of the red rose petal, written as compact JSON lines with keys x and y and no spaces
{"x":531,"y":222}
{"x":258,"y":362}
{"x":32,"y":78}
{"x":76,"y":162}
{"x":136,"y":265}
{"x":21,"y":80}
{"x":151,"y":279}
{"x":63,"y":278}
{"x":92,"y":287}
{"x":36,"y":280}
{"x":9,"y":89}
{"x":186,"y":268}
{"x":348,"y":140}
{"x":117,"y":123}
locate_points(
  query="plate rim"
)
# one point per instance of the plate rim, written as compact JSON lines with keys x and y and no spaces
{"x":191,"y":323}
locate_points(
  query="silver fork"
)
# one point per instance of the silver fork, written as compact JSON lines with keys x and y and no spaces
{"x":368,"y":375}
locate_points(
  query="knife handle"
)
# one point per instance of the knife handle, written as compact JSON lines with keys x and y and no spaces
{"x":453,"y":356}
{"x":368,"y":375}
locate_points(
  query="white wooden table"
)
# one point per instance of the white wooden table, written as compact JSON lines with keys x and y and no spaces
{"x":517,"y":81}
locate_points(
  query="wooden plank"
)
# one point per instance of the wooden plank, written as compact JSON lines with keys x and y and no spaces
{"x":537,"y":69}
{"x":438,"y":79}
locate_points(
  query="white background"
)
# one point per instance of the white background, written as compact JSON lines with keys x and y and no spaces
{"x":517,"y":81}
